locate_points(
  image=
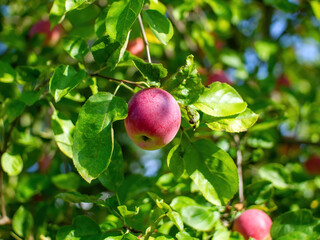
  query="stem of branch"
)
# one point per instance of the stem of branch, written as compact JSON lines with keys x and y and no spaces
{"x":144,"y":38}
{"x":118,"y":80}
{"x":239,"y":165}
{"x":4,"y":219}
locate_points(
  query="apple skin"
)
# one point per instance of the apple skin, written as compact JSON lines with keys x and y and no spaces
{"x":153,"y":118}
{"x":283,"y":81}
{"x":44,"y":163}
{"x":253,"y":223}
{"x":43,"y":27}
{"x":312,"y":165}
{"x":136,"y":47}
{"x":218,"y":76}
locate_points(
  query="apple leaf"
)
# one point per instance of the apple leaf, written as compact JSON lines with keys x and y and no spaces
{"x":186,"y":84}
{"x":153,"y":72}
{"x":93,"y":137}
{"x":107,"y":51}
{"x":113,"y":176}
{"x":11,"y":164}
{"x":120,"y":18}
{"x":100,"y":23}
{"x":64,"y":79}
{"x":30,"y":97}
{"x":57,"y":12}
{"x":212,"y":170}
{"x":220,"y":100}
{"x":11,"y":108}
{"x":221,"y":8}
{"x":67,"y":181}
{"x":275,"y":173}
{"x":285,"y":5}
{"x":259,"y":192}
{"x":315,"y":5}
{"x":62,"y":129}
{"x":175,"y":161}
{"x":235,"y":123}
{"x":75,"y":197}
{"x":76,"y":47}
{"x":199,"y":217}
{"x":294,"y":221}
{"x":22,"y":222}
{"x":159,"y":24}
{"x":7,"y":73}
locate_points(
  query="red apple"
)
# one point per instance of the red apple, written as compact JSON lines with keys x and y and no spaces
{"x":218,"y":76}
{"x":51,"y":36}
{"x":283,"y":81}
{"x":44,"y":163}
{"x":312,"y":165}
{"x":153,"y":118}
{"x":253,"y":223}
{"x":136,"y":47}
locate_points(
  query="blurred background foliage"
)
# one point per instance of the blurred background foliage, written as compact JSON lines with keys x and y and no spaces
{"x":269,"y":49}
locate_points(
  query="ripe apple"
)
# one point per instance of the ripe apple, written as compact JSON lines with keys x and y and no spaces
{"x":253,"y":223}
{"x":153,"y":118}
{"x":312,"y":165}
{"x":283,"y":81}
{"x":136,"y":47}
{"x":52,"y":36}
{"x":218,"y":76}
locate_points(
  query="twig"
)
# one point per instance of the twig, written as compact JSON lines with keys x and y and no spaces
{"x":118,"y":80}
{"x":7,"y":137}
{"x":239,"y":165}
{"x":4,"y":219}
{"x":144,"y":38}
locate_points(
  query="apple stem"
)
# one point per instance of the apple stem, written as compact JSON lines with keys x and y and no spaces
{"x":239,"y":165}
{"x":144,"y":38}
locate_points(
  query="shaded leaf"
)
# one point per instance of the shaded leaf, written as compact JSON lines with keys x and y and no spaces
{"x":22,"y":222}
{"x":67,"y":181}
{"x":75,"y":46}
{"x":175,"y":161}
{"x":275,"y":173}
{"x":11,"y":164}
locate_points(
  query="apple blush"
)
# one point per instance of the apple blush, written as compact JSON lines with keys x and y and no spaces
{"x":312,"y":165}
{"x":153,"y":118}
{"x":253,"y":223}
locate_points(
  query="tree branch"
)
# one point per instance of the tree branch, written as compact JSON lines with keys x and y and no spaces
{"x":117,"y":80}
{"x":144,"y":38}
{"x":239,"y":165}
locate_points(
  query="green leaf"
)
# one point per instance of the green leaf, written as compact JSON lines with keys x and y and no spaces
{"x":293,"y":221}
{"x":62,"y":129}
{"x":277,"y":174}
{"x":29,"y":185}
{"x":295,"y":236}
{"x":175,"y":161}
{"x":7,"y":73}
{"x":220,"y":100}
{"x":75,"y":197}
{"x":93,"y":136}
{"x":182,"y":201}
{"x":57,"y":12}
{"x":30,"y":97}
{"x":11,"y":164}
{"x":184,"y":236}
{"x":76,"y":47}
{"x":113,"y":176}
{"x":235,"y":123}
{"x":315,"y":5}
{"x":12,"y":108}
{"x":120,"y":18}
{"x":152,"y":72}
{"x":285,"y":5}
{"x":200,"y":218}
{"x":100,"y":24}
{"x":159,"y":24}
{"x":259,"y":192}
{"x":186,"y":85}
{"x":212,"y":170}
{"x":265,"y":49}
{"x":64,"y":79}
{"x":231,"y":58}
{"x":107,"y":51}
{"x":27,"y":74}
{"x":73,"y":4}
{"x":22,"y":222}
{"x":67,"y":181}
{"x":221,"y":8}
{"x":82,"y":227}
{"x":125,"y":212}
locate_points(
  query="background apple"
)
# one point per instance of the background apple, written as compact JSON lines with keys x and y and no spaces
{"x":312,"y":165}
{"x":153,"y":118}
{"x":136,"y":47}
{"x":253,"y":223}
{"x":52,"y":36}
{"x":283,"y":81}
{"x":44,"y":163}
{"x":218,"y":76}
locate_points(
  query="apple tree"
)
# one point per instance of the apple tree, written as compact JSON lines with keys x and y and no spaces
{"x":158,"y":119}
